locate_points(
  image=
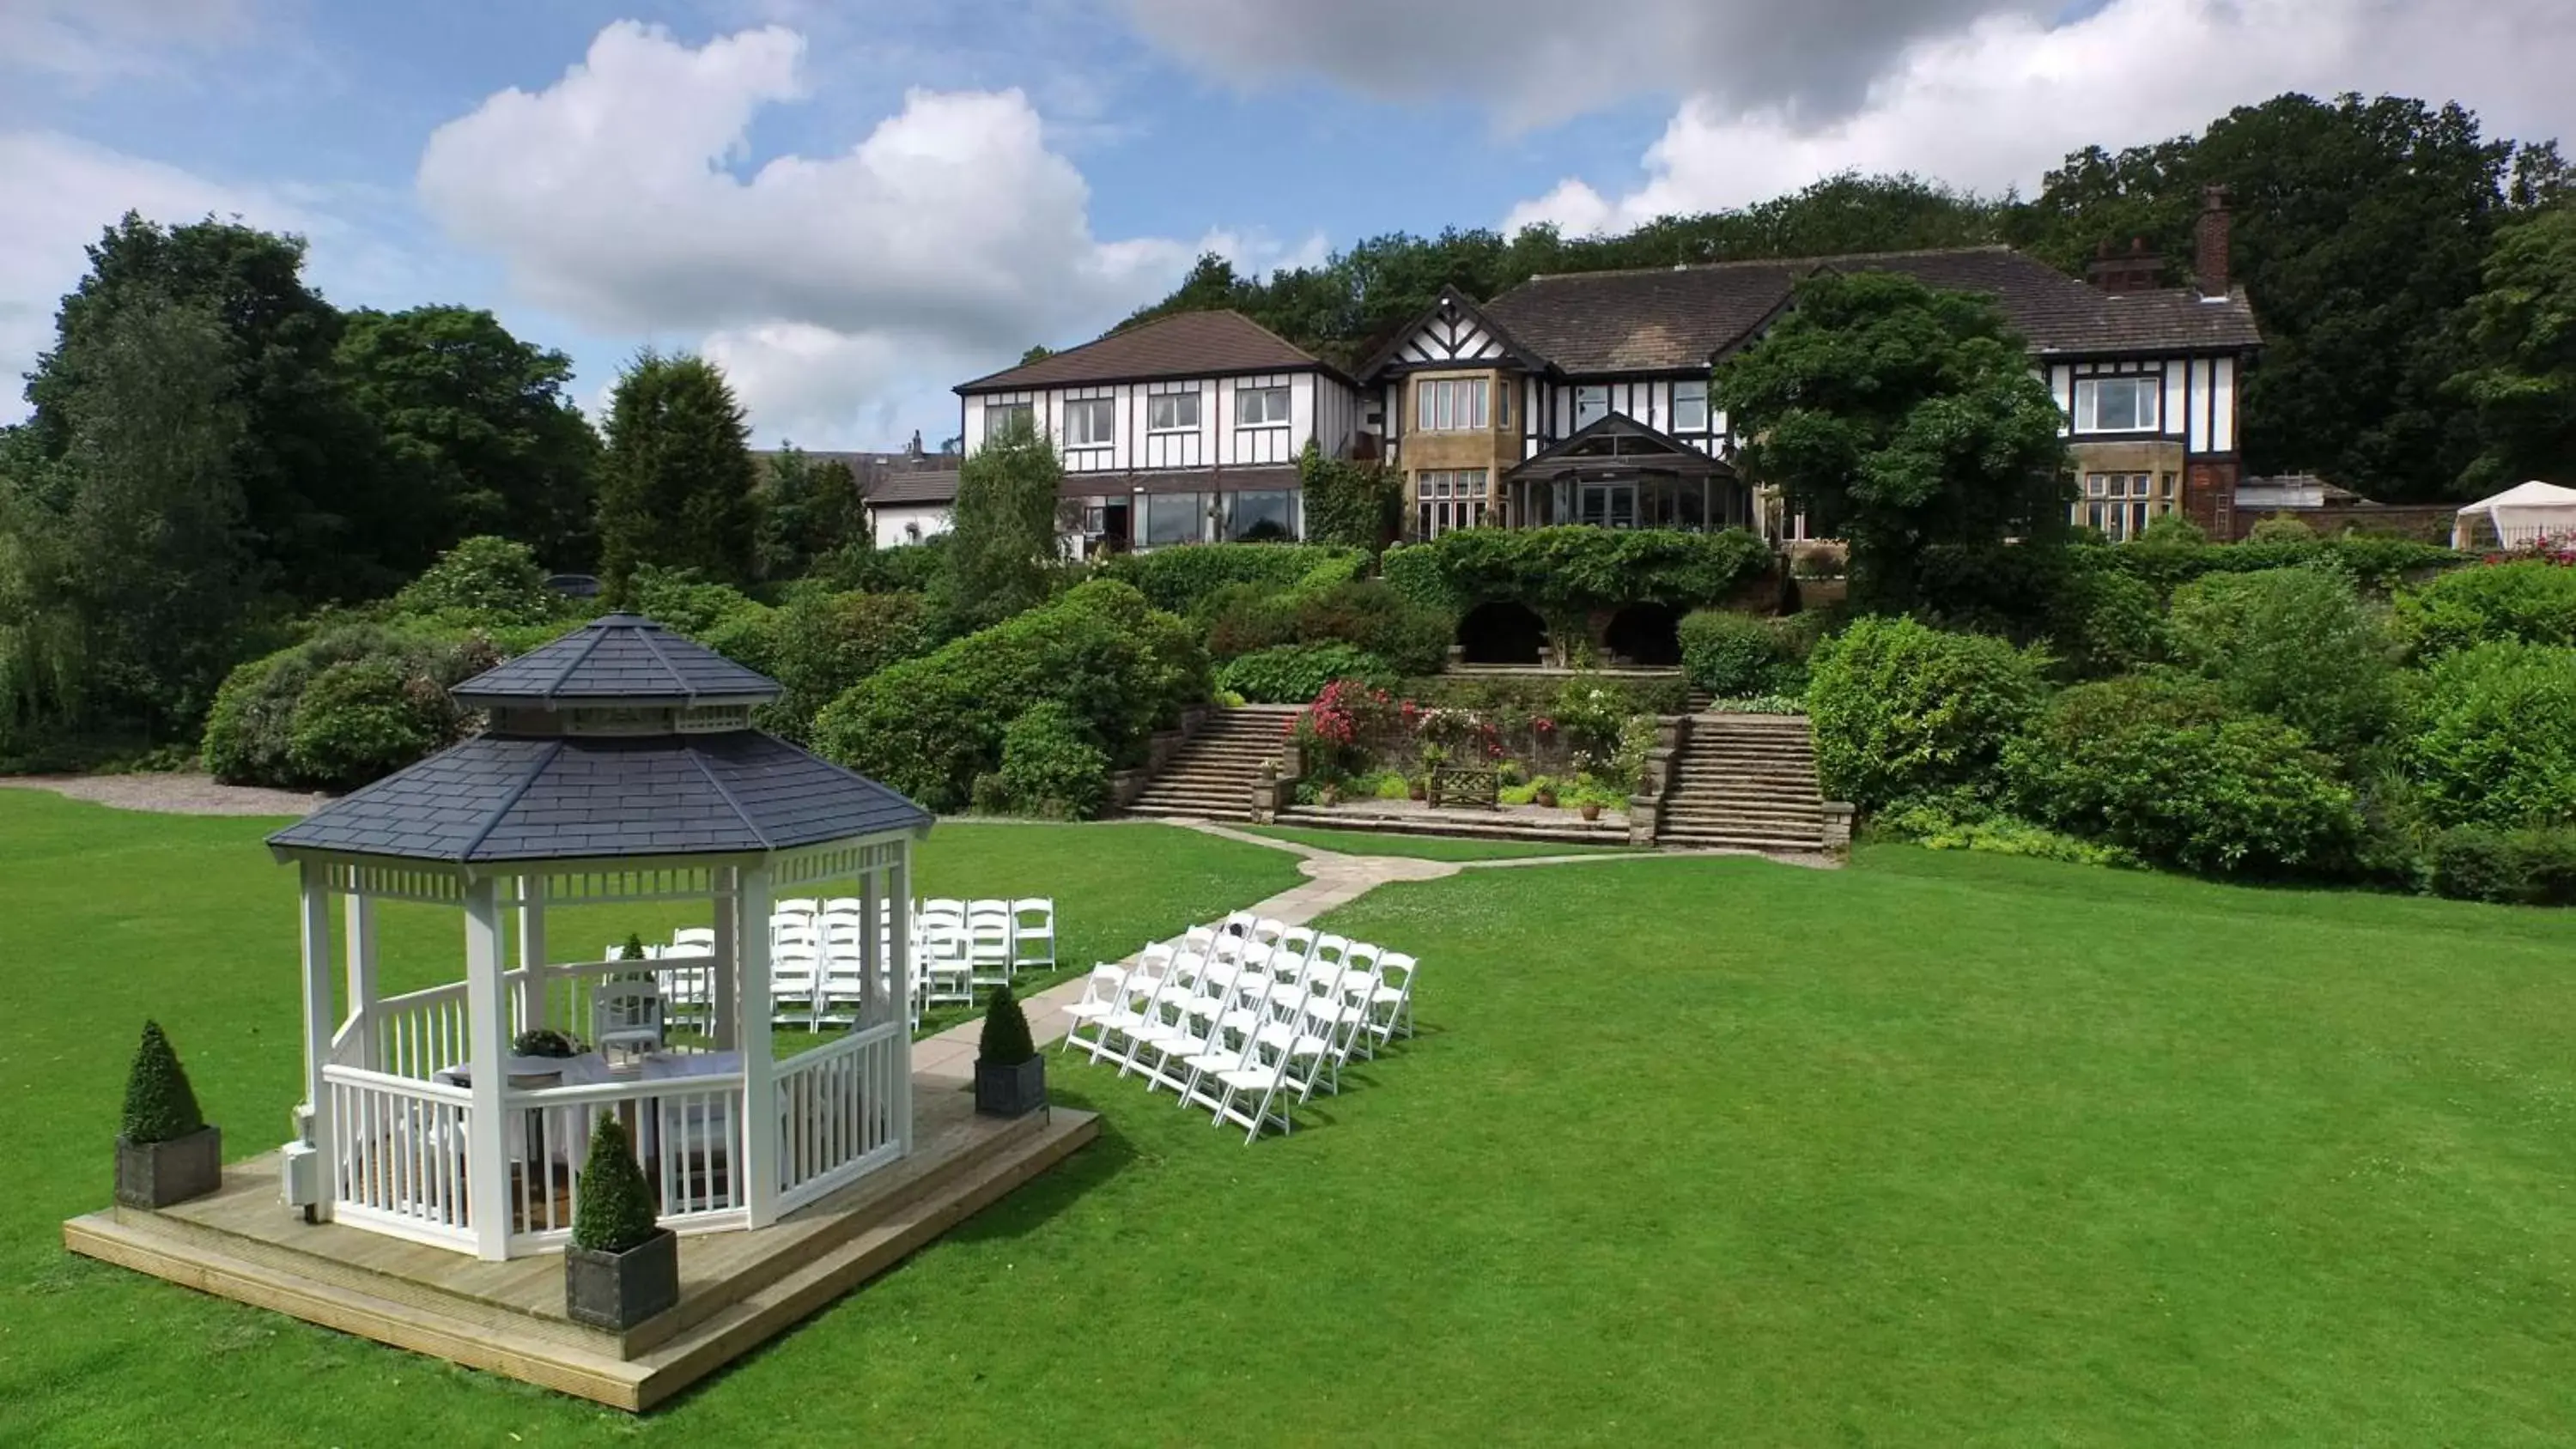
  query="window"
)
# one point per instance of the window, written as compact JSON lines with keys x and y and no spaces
{"x":1172,"y":412}
{"x":2118,"y":404}
{"x":1591,"y":405}
{"x":1451,"y":404}
{"x":1175,"y":518}
{"x":2120,"y":504}
{"x":1090,"y":422}
{"x":1606,"y":505}
{"x":1260,"y":407}
{"x":1690,"y":406}
{"x":1449,"y":499}
{"x":1000,"y":418}
{"x":1261,"y":516}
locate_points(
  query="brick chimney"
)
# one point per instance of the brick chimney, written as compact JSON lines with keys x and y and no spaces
{"x":2137,"y":270}
{"x":2211,"y":262}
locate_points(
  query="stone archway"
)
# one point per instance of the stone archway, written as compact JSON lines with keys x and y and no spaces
{"x":1501,"y":632}
{"x":1648,"y":634}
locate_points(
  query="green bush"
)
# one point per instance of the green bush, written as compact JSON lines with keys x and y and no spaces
{"x":1412,"y":638}
{"x":615,"y":1212}
{"x":1050,"y":766}
{"x":1006,"y":1041}
{"x":1570,"y":571}
{"x":1175,"y":579}
{"x":2377,"y":564}
{"x":1899,"y":708}
{"x":2495,"y":736}
{"x":929,"y":726}
{"x":1296,"y":673}
{"x":484,"y":580}
{"x":1512,"y":702}
{"x":1941,"y":824}
{"x":2163,"y":765}
{"x":682,"y":602}
{"x":160,"y":1105}
{"x":362,"y":719}
{"x":1351,"y":504}
{"x":1241,"y":618}
{"x":857,"y":568}
{"x":2296,"y":643}
{"x":1733,"y":654}
{"x":2105,"y":623}
{"x":2528,"y":600}
{"x":2281,"y":528}
{"x":2506,"y":867}
{"x":820,"y":644}
{"x":356,"y":730}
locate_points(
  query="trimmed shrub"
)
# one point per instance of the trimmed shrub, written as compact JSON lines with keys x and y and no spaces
{"x":1296,"y":673}
{"x":2527,"y":600}
{"x":356,"y":731}
{"x":615,"y":1213}
{"x":1240,"y":618}
{"x":2281,"y":528}
{"x":2377,"y":564}
{"x":858,"y":568}
{"x":928,"y":726}
{"x":2495,"y":737}
{"x":2163,"y":765}
{"x":483,"y":580}
{"x":160,"y":1105}
{"x":2506,"y":867}
{"x":1570,"y":571}
{"x":1175,"y":579}
{"x":1410,"y":637}
{"x":680,"y":601}
{"x":2104,"y":623}
{"x":821,"y":644}
{"x":1006,"y":1041}
{"x":1050,"y":766}
{"x":2295,"y":643}
{"x":1899,"y":708}
{"x":1733,"y":654}
{"x":362,"y":719}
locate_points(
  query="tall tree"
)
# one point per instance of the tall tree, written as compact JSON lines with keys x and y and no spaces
{"x":479,"y":423}
{"x":675,"y":482}
{"x":1900,"y":417}
{"x":1005,"y":532}
{"x":324,"y":519}
{"x":808,"y":508}
{"x":2523,"y":382}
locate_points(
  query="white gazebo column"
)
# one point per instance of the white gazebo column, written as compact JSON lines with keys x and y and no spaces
{"x":318,"y":1015}
{"x":487,"y":1165}
{"x":898,"y":889}
{"x":360,"y":935}
{"x":876,"y":996}
{"x":760,"y":1127}
{"x":536,"y":988}
{"x":724,"y":1030}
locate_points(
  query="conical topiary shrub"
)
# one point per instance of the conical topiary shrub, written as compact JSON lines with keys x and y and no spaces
{"x":165,"y":1152}
{"x":616,"y":1209}
{"x":160,"y":1106}
{"x":1010,"y":1076}
{"x":621,"y":1266}
{"x":633,"y":950}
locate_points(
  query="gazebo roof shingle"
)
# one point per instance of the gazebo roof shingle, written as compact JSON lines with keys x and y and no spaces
{"x":626,"y":658}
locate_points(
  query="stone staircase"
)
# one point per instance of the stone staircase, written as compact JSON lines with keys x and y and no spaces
{"x":1747,"y":782}
{"x":1211,"y":777}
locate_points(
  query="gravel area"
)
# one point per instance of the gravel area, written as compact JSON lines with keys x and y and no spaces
{"x":172,"y":794}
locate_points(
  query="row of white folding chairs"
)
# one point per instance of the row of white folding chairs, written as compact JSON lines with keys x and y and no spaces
{"x":1246,"y":1032}
{"x":1004,"y":936}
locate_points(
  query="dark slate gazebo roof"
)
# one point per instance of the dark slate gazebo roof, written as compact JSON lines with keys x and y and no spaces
{"x":527,"y":793}
{"x":624,"y":658}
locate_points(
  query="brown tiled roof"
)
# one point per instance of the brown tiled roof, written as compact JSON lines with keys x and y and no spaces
{"x":1185,"y":344}
{"x":918,"y":484}
{"x":1680,"y":318}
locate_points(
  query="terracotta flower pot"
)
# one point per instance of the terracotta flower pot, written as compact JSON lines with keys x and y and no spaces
{"x":1591,"y":810}
{"x":1417,"y":791}
{"x":1545,"y":798}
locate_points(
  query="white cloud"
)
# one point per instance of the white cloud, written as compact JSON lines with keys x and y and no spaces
{"x":1997,"y":105}
{"x":90,"y":41}
{"x":836,"y":288}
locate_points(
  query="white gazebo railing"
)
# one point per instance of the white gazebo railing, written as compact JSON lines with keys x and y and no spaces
{"x":837,"y":1111}
{"x":400,"y":1163}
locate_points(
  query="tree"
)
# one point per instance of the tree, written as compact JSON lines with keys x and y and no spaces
{"x":675,"y":482}
{"x":1902,"y":417}
{"x":2523,"y":330}
{"x":1004,"y":535}
{"x":320,"y":514}
{"x":479,"y":423}
{"x":808,"y":510}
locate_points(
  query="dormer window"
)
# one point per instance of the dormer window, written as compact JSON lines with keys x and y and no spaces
{"x":2118,"y":404}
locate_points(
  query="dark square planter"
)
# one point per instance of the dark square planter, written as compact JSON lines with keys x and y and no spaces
{"x":1010,"y":1091}
{"x":617,"y":1291}
{"x":157,"y":1174}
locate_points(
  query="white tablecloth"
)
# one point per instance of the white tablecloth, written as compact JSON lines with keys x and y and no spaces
{"x":590,"y":1069}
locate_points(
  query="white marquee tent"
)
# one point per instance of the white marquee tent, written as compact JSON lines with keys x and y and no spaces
{"x":2524,"y":514}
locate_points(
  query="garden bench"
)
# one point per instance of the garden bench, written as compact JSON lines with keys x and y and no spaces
{"x":1474,"y":786}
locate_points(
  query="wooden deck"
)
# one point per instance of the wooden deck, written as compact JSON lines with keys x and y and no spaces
{"x":738,"y":1289}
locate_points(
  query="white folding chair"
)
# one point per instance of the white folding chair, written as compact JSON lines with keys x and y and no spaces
{"x":1391,"y":998}
{"x":845,"y":980}
{"x":1103,"y":992}
{"x":1254,"y":1090}
{"x":988,"y":941}
{"x":947,"y":971}
{"x":795,"y":978}
{"x":1033,"y":933}
{"x":795,"y":906}
{"x":626,"y":1013}
{"x":844,"y":906}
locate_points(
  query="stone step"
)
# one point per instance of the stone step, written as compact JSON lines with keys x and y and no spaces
{"x":1575,"y":832}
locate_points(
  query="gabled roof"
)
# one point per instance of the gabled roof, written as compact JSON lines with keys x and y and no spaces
{"x":1616,"y":440}
{"x":625,"y":658}
{"x":1677,"y":319}
{"x":1185,"y":344}
{"x":1454,"y":321}
{"x":495,"y":799}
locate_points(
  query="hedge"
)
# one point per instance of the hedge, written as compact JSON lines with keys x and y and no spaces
{"x":2297,"y":643}
{"x":821,"y":644}
{"x":1175,"y":579}
{"x":2495,"y":736}
{"x":930,"y":726}
{"x":1296,"y":673}
{"x":1734,"y":655}
{"x":1514,"y":701}
{"x":2378,"y":564}
{"x":1568,"y":571}
{"x":2505,"y":867}
{"x":2531,"y":600}
{"x":1899,"y":708}
{"x":1051,"y":767}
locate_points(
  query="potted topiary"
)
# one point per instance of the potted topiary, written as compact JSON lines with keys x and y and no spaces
{"x":621,"y":1267}
{"x":165,"y":1152}
{"x":1010,"y":1076}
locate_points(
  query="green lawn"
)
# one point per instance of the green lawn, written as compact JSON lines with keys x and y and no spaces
{"x":1938,"y":1149}
{"x":1424,"y":847}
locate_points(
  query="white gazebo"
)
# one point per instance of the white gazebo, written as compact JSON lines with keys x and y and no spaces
{"x":620,"y":766}
{"x":2520,"y":517}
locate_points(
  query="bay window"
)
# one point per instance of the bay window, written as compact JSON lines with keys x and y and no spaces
{"x":1451,"y":404}
{"x":1447,"y":499}
{"x":1261,"y":515}
{"x":2120,"y":504}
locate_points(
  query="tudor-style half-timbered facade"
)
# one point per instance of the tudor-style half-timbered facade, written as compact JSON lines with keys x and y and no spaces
{"x":1186,"y":429}
{"x":1474,"y":399}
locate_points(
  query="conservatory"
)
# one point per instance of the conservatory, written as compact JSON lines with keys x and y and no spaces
{"x":620,"y":765}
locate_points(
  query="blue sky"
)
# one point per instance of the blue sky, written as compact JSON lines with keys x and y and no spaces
{"x":854,"y":204}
